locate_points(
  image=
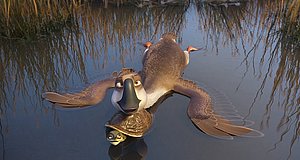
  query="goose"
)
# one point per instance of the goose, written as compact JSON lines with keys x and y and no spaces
{"x":163,"y":66}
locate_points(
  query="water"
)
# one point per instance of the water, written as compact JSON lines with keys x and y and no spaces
{"x":263,"y":86}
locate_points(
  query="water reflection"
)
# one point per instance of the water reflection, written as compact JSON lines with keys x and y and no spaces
{"x":131,"y":149}
{"x":109,"y":37}
{"x":104,"y":35}
{"x":125,"y":27}
{"x":235,"y":24}
{"x":29,"y":68}
{"x":280,"y":56}
{"x":286,"y":90}
{"x":226,"y":25}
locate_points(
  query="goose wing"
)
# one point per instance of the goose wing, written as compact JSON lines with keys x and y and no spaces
{"x":201,"y":113}
{"x":89,"y":96}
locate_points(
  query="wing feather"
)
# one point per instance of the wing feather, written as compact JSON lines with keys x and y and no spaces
{"x":202,"y":114}
{"x":89,"y":96}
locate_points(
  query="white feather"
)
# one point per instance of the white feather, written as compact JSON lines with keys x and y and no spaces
{"x":116,"y":97}
{"x":154,"y":96}
{"x":146,"y":50}
{"x":187,"y":57}
{"x":142,"y":95}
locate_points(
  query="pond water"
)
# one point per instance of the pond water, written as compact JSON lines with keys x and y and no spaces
{"x":236,"y":62}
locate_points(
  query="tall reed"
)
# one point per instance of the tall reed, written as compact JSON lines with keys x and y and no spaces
{"x":27,"y":19}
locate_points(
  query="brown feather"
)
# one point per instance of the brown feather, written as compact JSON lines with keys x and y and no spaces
{"x":208,"y":128}
{"x":233,"y":129}
{"x":89,"y":96}
{"x":202,"y":114}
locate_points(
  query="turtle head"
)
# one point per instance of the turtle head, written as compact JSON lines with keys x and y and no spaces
{"x":129,"y":95}
{"x":115,"y":137}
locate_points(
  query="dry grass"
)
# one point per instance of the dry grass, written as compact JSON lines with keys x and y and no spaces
{"x":33,"y":19}
{"x":27,"y":19}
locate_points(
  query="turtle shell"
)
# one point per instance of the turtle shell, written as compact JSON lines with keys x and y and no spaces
{"x":135,"y":125}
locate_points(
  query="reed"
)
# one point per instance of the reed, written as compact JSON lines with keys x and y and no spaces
{"x":34,"y":19}
{"x":31,"y":19}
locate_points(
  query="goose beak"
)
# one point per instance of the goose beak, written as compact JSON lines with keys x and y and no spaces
{"x":191,"y":49}
{"x":129,"y":102}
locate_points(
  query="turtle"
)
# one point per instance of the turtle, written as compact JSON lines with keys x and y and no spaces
{"x":122,"y":125}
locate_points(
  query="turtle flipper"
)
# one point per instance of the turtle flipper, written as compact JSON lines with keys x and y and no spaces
{"x":201,"y":113}
{"x":89,"y":96}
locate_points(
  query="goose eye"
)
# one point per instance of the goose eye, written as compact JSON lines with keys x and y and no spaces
{"x":119,"y":84}
{"x":137,"y":83}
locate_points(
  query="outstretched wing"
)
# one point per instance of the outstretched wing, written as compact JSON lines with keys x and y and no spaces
{"x":201,"y":113}
{"x":89,"y":96}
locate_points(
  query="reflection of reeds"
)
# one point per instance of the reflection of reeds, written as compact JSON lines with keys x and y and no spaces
{"x":292,"y":10}
{"x":280,"y":40}
{"x":27,"y":19}
{"x":286,"y":89}
{"x":30,"y":68}
{"x":143,"y":3}
{"x":279,"y":31}
{"x":231,"y":22}
{"x":276,"y":27}
{"x":122,"y":28}
{"x":31,"y":19}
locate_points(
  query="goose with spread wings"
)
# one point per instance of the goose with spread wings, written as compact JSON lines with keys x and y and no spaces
{"x":163,"y":66}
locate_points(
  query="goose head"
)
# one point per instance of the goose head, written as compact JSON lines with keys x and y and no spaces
{"x":147,"y":46}
{"x":129,"y":95}
{"x":169,"y":36}
{"x":187,"y":53}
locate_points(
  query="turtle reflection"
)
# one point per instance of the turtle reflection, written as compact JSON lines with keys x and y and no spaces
{"x":132,"y":148}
